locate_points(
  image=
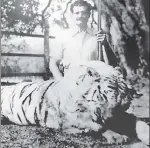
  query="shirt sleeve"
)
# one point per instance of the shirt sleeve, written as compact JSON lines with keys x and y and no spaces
{"x":56,"y":49}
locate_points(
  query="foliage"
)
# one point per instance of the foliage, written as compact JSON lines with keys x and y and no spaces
{"x":20,"y":64}
{"x":9,"y":64}
{"x":19,"y":15}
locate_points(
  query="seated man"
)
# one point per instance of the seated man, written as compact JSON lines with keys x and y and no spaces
{"x":79,"y":42}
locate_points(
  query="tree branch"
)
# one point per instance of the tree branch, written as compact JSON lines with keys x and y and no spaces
{"x":67,"y":6}
{"x":43,"y":12}
{"x":48,"y":5}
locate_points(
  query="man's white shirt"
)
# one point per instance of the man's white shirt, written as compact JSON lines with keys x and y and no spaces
{"x":75,"y":47}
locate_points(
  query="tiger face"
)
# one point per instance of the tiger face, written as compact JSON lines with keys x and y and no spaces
{"x":107,"y":97}
{"x":101,"y":97}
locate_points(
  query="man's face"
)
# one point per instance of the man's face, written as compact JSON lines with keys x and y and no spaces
{"x":80,"y":15}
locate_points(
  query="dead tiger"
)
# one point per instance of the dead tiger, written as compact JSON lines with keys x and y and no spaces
{"x":84,"y":100}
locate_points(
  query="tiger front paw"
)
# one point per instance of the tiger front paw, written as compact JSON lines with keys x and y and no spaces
{"x":113,"y":137}
{"x":142,"y":130}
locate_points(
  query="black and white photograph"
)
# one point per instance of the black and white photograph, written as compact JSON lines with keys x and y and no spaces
{"x":75,"y":74}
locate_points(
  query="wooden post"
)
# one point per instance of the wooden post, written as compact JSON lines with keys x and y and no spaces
{"x":46,"y":40}
{"x":46,"y":47}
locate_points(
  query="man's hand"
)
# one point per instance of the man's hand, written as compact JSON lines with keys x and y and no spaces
{"x":101,"y":37}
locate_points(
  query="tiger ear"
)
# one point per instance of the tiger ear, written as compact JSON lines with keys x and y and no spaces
{"x":91,"y":71}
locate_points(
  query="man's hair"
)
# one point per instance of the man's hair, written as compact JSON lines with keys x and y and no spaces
{"x":81,"y":3}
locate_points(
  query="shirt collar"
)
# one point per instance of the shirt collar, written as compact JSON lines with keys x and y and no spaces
{"x":75,"y":30}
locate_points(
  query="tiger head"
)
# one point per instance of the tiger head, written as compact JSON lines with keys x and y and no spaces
{"x":99,"y":98}
{"x":107,"y":97}
{"x":114,"y":96}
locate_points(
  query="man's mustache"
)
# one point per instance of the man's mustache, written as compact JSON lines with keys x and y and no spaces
{"x":81,"y":19}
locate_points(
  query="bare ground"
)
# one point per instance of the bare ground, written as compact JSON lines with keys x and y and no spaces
{"x":14,"y":136}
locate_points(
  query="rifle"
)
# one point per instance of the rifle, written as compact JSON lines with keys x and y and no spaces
{"x":105,"y":55}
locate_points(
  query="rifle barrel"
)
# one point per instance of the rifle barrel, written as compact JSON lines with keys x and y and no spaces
{"x":100,"y":54}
